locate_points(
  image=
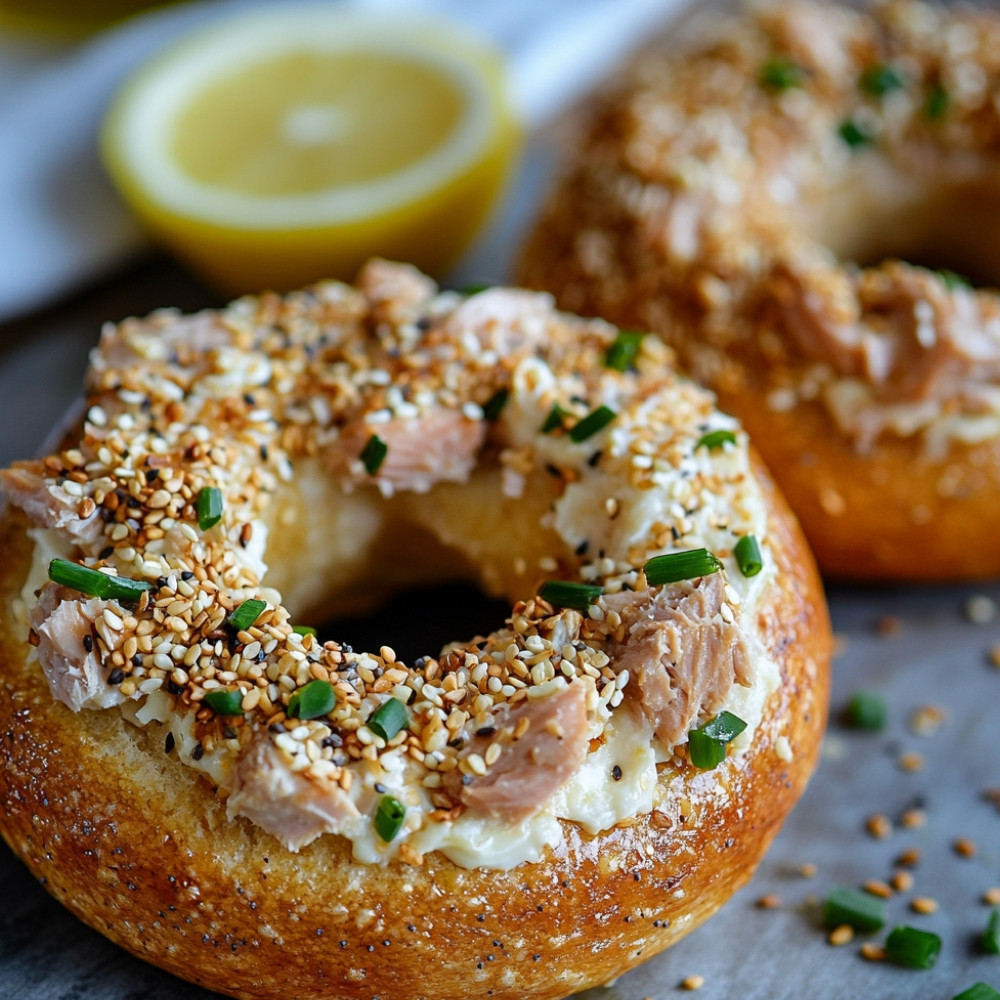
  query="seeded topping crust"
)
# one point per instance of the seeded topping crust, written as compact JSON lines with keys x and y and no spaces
{"x":244,"y":401}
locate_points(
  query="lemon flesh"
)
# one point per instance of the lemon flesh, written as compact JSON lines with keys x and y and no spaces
{"x":285,"y":146}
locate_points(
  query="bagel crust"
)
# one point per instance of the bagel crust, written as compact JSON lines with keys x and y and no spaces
{"x":235,"y":848}
{"x":745,"y":195}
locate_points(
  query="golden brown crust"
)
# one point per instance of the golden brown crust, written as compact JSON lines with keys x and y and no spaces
{"x":138,"y":846}
{"x":645,"y":230}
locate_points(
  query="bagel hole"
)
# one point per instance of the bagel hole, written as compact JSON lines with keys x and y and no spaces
{"x":420,"y":621}
{"x":943,"y":227}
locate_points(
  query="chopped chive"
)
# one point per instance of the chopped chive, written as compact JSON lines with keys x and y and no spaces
{"x":865,"y":711}
{"x":474,"y":289}
{"x":855,"y":134}
{"x":676,"y":566}
{"x":781,"y":74}
{"x":989,"y":942}
{"x":389,"y":718}
{"x":748,"y":556}
{"x":880,"y":80}
{"x":495,"y":404}
{"x":303,"y":630}
{"x":716,"y":439}
{"x":95,"y":583}
{"x":593,"y":422}
{"x":937,"y":103}
{"x":570,"y":594}
{"x":707,"y":744}
{"x":373,"y":454}
{"x":978,"y":991}
{"x":389,"y":817}
{"x":623,"y":351}
{"x":953,"y":281}
{"x":912,"y":948}
{"x":209,"y":507}
{"x":312,"y":700}
{"x":246,"y":614}
{"x":554,"y":419}
{"x":225,"y":702}
{"x":860,"y":910}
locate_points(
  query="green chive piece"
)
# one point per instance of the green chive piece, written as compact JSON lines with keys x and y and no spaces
{"x":389,"y":817}
{"x":881,"y":80}
{"x":474,"y":289}
{"x":676,"y":566}
{"x":554,"y":420}
{"x":225,"y":702}
{"x":989,"y":943}
{"x":865,"y":711}
{"x":854,"y":134}
{"x":937,"y":103}
{"x":495,"y":404}
{"x":978,"y":991}
{"x":953,"y":281}
{"x":624,"y":350}
{"x":373,"y":454}
{"x":593,"y":422}
{"x":303,"y":630}
{"x":246,"y":614}
{"x":570,"y":594}
{"x":781,"y":74}
{"x":748,"y":556}
{"x":716,"y":439}
{"x":860,"y":910}
{"x":209,"y":507}
{"x":389,"y":718}
{"x":311,"y":701}
{"x":707,"y":744}
{"x":912,"y":948}
{"x":95,"y":583}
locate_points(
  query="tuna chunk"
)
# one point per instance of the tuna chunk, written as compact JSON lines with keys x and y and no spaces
{"x":503,"y":319}
{"x":397,"y":292}
{"x":544,"y":741}
{"x":436,"y":447}
{"x":292,"y":808}
{"x":682,"y":656}
{"x":63,"y":621}
{"x":48,"y":504}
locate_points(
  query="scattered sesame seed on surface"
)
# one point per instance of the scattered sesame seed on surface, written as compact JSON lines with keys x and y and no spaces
{"x":873,"y":952}
{"x":924,"y":905}
{"x":770,"y":901}
{"x":839,"y":936}
{"x":964,"y":847}
{"x":693,"y":982}
{"x":879,"y":826}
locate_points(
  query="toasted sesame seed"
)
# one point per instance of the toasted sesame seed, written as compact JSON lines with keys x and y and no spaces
{"x":771,"y":901}
{"x":964,"y":847}
{"x":924,"y":904}
{"x":873,"y":952}
{"x":879,"y":826}
{"x":839,"y":936}
{"x":874,"y":887}
{"x":693,"y":982}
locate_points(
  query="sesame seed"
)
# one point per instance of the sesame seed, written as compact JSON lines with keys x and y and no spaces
{"x":839,"y":936}
{"x":924,"y":905}
{"x":693,"y":982}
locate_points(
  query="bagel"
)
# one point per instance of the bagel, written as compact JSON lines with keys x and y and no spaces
{"x":785,"y":198}
{"x":521,"y":815}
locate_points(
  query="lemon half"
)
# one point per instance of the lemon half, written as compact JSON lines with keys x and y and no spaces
{"x":290,"y":144}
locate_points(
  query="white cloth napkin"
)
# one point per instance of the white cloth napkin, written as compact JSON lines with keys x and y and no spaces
{"x":61,"y":223}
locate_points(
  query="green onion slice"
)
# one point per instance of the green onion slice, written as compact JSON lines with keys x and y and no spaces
{"x":474,"y":289}
{"x":389,"y":718}
{"x":716,"y":439}
{"x":389,"y":817}
{"x":593,"y":422}
{"x":246,"y":614}
{"x":937,"y":103}
{"x":676,"y":566}
{"x":865,"y":711}
{"x":303,"y":630}
{"x":707,"y":744}
{"x":554,"y":420}
{"x":225,"y":702}
{"x":989,"y":943}
{"x":952,"y":280}
{"x":978,"y":991}
{"x":781,"y":74}
{"x":95,"y":583}
{"x":373,"y":454}
{"x":209,"y":507}
{"x":623,"y":351}
{"x":880,"y":80}
{"x":493,"y":407}
{"x":855,"y":134}
{"x":312,"y":700}
{"x":748,"y":556}
{"x":912,"y":948}
{"x":860,"y":910}
{"x":570,"y":594}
